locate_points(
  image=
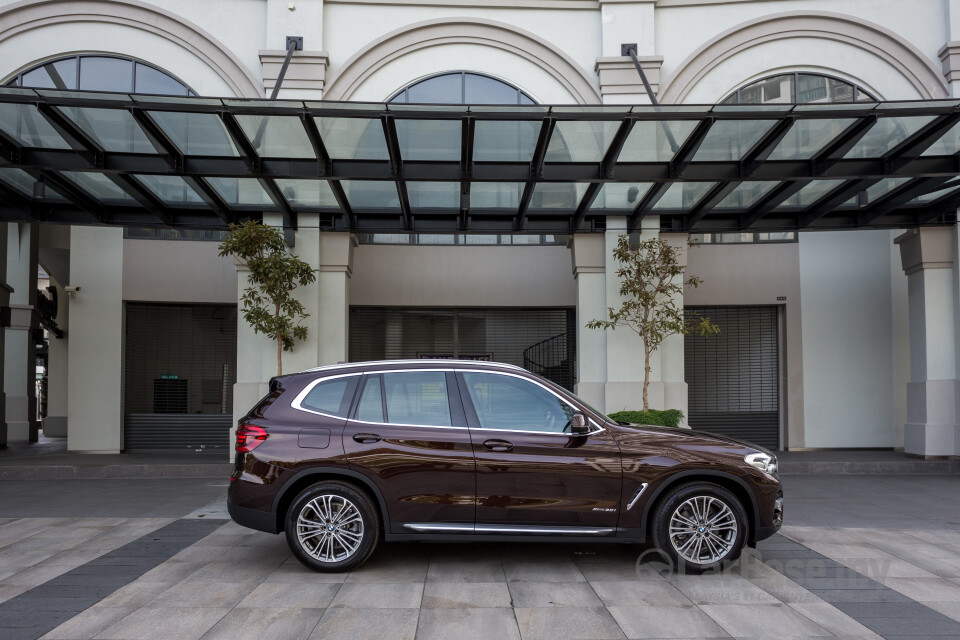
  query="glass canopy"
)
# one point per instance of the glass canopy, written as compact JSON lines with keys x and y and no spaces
{"x":115,"y":158}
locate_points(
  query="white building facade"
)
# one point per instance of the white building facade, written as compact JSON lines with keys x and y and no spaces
{"x":831,"y":339}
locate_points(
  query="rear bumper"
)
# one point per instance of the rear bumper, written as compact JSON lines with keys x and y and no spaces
{"x":253,"y":518}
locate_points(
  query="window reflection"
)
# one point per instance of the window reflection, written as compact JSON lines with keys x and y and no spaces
{"x":100,"y":73}
{"x":797,"y":88}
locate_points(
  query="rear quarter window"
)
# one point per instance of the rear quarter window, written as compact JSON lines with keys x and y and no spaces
{"x":331,"y":397}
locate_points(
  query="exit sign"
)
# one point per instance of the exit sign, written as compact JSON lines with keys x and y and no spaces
{"x":169,"y":376}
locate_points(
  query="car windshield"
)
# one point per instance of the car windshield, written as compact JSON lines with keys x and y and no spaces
{"x":583,"y":402}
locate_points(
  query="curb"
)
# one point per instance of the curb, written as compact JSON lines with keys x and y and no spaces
{"x":112,"y":471}
{"x":868,"y":468}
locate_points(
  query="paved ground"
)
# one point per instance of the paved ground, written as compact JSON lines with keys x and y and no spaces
{"x":861,"y":557}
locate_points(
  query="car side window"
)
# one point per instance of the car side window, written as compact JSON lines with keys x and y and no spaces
{"x":417,"y":397}
{"x":370,"y":408}
{"x":507,"y":402}
{"x":330,"y":396}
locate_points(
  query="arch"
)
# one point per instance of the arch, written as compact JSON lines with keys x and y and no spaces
{"x":870,"y":37}
{"x":28,"y":15}
{"x":490,"y":33}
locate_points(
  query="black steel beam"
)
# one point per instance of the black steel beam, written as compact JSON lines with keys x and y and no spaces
{"x":914,"y":146}
{"x":144,"y":197}
{"x":11,"y":197}
{"x":345,"y":207}
{"x":945,"y":205}
{"x":608,"y":166}
{"x":769,"y":202}
{"x":319,"y":148}
{"x":899,"y":197}
{"x":396,"y":167}
{"x":842,"y":144}
{"x":585,"y":202}
{"x":467,"y":136}
{"x":535,"y":170}
{"x":834,"y":199}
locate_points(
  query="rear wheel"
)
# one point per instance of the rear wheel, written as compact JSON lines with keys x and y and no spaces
{"x":701,"y":527}
{"x":332,"y":527}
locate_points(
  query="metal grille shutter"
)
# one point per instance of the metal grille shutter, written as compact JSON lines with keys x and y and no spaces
{"x":179,"y":372}
{"x":542,"y":340}
{"x":733,"y":377}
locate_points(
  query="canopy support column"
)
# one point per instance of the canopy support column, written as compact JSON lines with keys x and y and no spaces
{"x":20,"y":354}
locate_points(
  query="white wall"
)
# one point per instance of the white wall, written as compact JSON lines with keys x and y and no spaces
{"x":177,"y":271}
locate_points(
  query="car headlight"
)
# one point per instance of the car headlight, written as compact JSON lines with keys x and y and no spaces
{"x":762,"y":461}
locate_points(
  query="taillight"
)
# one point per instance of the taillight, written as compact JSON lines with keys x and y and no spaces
{"x":249,"y":437}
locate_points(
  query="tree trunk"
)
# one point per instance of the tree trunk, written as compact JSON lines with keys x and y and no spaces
{"x":646,"y":375}
{"x":279,"y":347}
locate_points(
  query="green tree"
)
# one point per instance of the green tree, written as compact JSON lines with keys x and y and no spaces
{"x":268,"y":303}
{"x":650,"y":280}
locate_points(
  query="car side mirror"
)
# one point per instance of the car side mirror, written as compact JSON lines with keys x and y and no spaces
{"x":579,"y":425}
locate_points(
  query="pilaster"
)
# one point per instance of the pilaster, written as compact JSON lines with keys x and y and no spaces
{"x":20,"y":359}
{"x":306,"y":74}
{"x":620,"y":83}
{"x":55,"y":424}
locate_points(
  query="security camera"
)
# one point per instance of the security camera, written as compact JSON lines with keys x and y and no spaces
{"x":72,"y":291}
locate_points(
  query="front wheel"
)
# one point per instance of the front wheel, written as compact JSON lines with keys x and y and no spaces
{"x":701,"y":527}
{"x":332,"y":527}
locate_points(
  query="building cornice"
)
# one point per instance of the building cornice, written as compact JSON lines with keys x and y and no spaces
{"x":618,"y":75}
{"x":307,"y":70}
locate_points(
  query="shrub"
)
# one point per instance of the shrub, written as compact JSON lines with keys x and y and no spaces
{"x":666,"y":418}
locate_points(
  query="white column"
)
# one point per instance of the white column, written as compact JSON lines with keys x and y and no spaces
{"x":20,"y":353}
{"x":949,"y":53}
{"x":589,"y":269}
{"x":55,"y":424}
{"x":95,"y":349}
{"x":5,"y":290}
{"x":670,"y":353}
{"x":333,"y":304}
{"x":624,"y":388}
{"x":928,"y":259}
{"x":306,"y":74}
{"x":627,"y":22}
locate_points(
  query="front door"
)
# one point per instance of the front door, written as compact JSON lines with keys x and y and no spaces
{"x":531,"y":470}
{"x":407,"y":436}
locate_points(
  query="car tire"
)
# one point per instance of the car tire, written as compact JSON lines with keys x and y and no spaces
{"x":332,"y":527}
{"x":700,"y":527}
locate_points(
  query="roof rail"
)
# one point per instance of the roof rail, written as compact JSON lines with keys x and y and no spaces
{"x":435,"y":361}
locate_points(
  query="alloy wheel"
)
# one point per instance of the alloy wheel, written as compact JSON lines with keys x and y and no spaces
{"x":703,"y":530}
{"x":330,"y":528}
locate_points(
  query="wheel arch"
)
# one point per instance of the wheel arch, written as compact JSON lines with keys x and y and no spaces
{"x":737,"y":486}
{"x":307,"y":477}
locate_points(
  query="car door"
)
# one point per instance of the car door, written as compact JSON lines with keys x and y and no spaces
{"x":532,"y":472}
{"x":408,"y":434}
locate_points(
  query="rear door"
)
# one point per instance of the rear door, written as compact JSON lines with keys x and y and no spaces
{"x":532,"y":472}
{"x":408,"y":434}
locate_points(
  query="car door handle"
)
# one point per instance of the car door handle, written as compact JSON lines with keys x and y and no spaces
{"x":498,"y":445}
{"x":365,"y":438}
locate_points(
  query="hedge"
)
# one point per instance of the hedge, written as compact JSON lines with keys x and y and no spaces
{"x":667,"y":418}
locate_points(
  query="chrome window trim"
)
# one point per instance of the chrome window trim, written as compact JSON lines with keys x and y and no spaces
{"x":296,"y":404}
{"x":505,"y":528}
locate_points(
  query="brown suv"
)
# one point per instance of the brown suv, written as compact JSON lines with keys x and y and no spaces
{"x":444,"y":450}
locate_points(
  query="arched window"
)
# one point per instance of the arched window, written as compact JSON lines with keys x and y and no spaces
{"x":461,"y":87}
{"x":100,"y":73}
{"x":794,"y":88}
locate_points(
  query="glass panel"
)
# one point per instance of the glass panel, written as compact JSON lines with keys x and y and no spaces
{"x":495,"y":195}
{"x":649,"y":141}
{"x":769,"y":91}
{"x":620,"y":196}
{"x":417,"y":398}
{"x":445,"y":89}
{"x":520,"y":239}
{"x":327,"y":397}
{"x":581,"y":140}
{"x":776,"y":236}
{"x":170,"y":189}
{"x":746,"y":195}
{"x":436,"y":238}
{"x":195,"y":134}
{"x":371,"y":194}
{"x":947,"y":145}
{"x":150,"y":80}
{"x":112,"y":129}
{"x":434,"y":195}
{"x":485,"y":90}
{"x":882,"y":188}
{"x":479,"y":239}
{"x":810,"y":193}
{"x":557,"y":195}
{"x":683,"y":195}
{"x":839,"y":91}
{"x":23,"y":182}
{"x":731,"y":139}
{"x":370,"y":408}
{"x":307,"y":193}
{"x":734,"y":238}
{"x":807,"y":137}
{"x":939,"y":193}
{"x":23,"y":123}
{"x":241,"y":191}
{"x":61,"y":74}
{"x":429,"y":139}
{"x":505,"y":140}
{"x":277,"y":136}
{"x":98,"y":185}
{"x":701,"y":238}
{"x":353,"y":138}
{"x":505,"y":402}
{"x":885,"y":135}
{"x":105,"y":74}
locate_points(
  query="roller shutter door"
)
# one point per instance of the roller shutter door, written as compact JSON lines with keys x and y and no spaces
{"x":733,"y":377}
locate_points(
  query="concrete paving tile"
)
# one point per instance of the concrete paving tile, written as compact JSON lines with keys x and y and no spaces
{"x":369,"y":595}
{"x":72,"y":558}
{"x":203,"y":594}
{"x":171,"y":571}
{"x":786,"y":590}
{"x":830,"y":618}
{"x":666,"y":622}
{"x":805,"y":535}
{"x":935,"y":589}
{"x":290,"y":595}
{"x":855,"y":582}
{"x":849,"y":550}
{"x":391,"y":569}
{"x":33,"y":576}
{"x":164,"y":623}
{"x":367,"y":624}
{"x":12,"y":558}
{"x":914,"y":627}
{"x":231,"y":572}
{"x":614,"y":571}
{"x":865,"y":610}
{"x":89,"y":623}
{"x":204,"y":554}
{"x":553,"y":594}
{"x":859,"y":595}
{"x":877,"y":568}
{"x":11,"y":591}
{"x":465,"y":595}
{"x":570,"y":623}
{"x":297,"y":573}
{"x":136,"y":594}
{"x":261,"y":624}
{"x":757,"y":620}
{"x":721,"y":590}
{"x":457,"y":571}
{"x":949,"y":609}
{"x":937,"y":536}
{"x":541,"y":570}
{"x":636,"y":593}
{"x":467,"y":624}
